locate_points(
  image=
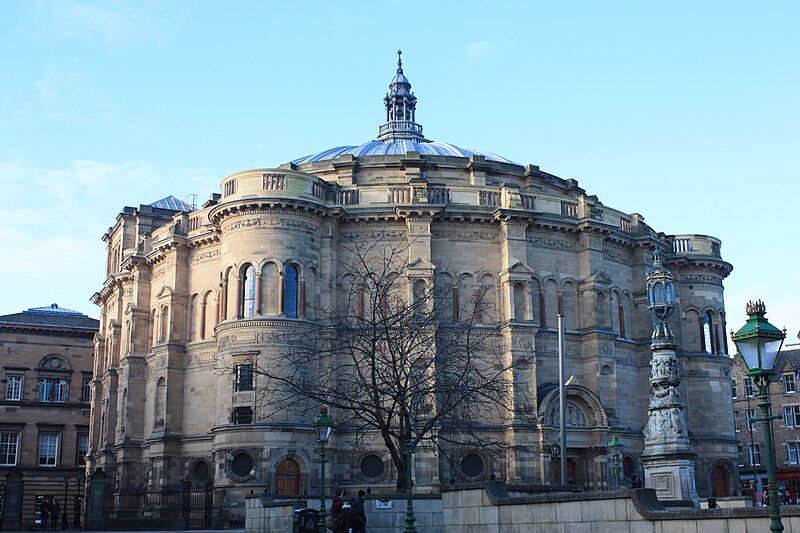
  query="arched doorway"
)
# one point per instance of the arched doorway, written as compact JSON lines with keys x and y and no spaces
{"x":719,"y":481}
{"x":572,"y":472}
{"x":287,"y":478}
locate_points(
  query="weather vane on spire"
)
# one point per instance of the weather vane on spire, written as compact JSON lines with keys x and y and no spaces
{"x":399,"y":62}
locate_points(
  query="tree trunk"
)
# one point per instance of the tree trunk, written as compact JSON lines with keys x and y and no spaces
{"x":401,"y":474}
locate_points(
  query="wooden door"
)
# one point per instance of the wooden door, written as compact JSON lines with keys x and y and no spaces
{"x":719,"y":482}
{"x":287,"y":478}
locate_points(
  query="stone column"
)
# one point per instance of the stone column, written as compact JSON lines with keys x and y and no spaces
{"x":95,"y":515}
{"x":668,"y":457}
{"x":12,"y":503}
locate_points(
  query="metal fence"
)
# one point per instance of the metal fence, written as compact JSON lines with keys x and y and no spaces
{"x":196,"y":506}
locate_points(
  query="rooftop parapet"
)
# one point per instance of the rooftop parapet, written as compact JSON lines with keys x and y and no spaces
{"x":693,"y":244}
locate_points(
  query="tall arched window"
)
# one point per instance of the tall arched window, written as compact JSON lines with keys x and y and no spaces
{"x":163,"y":331}
{"x":551,"y":307}
{"x":570,"y":306}
{"x":537,"y":302}
{"x":601,"y":310}
{"x":487,"y":298}
{"x":159,"y":404}
{"x":123,"y":412}
{"x":466,"y":289}
{"x":520,"y":308}
{"x":445,"y":303}
{"x":722,"y":326}
{"x":248,"y":297}
{"x":709,"y":342}
{"x":290,"y":292}
{"x":420,"y":289}
{"x":192,"y":323}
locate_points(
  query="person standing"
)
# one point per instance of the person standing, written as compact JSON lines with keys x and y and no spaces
{"x":336,"y":520}
{"x":45,"y":513}
{"x":55,"y":510}
{"x":360,"y":515}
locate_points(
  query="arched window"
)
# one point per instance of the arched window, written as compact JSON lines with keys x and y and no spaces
{"x":206,"y":315}
{"x":707,"y":335}
{"x":570,"y":306}
{"x":446,"y":298}
{"x":123,"y":411}
{"x":551,"y":307}
{"x":466,"y":295}
{"x":724,"y":336}
{"x":290,"y":292}
{"x":616,"y":312}
{"x":164,"y":328}
{"x":270,"y":278}
{"x":537,"y":302}
{"x":420,"y":296}
{"x":153,"y":328}
{"x":192,"y":325}
{"x":159,"y":404}
{"x":248,"y":296}
{"x":520,"y":309}
{"x":602,"y":311}
{"x":487,"y":299}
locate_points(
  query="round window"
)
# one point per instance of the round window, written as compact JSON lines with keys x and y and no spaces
{"x":242,"y":464}
{"x":472,"y":465}
{"x":372,"y":466}
{"x":201,"y":472}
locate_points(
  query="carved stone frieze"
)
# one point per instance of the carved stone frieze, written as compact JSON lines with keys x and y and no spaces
{"x":268,"y":222}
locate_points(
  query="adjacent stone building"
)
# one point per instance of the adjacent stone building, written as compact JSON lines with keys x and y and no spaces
{"x":786,"y":431}
{"x":46,"y":355}
{"x":186,"y":287}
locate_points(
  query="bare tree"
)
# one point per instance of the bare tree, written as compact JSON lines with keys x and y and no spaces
{"x":399,"y":355}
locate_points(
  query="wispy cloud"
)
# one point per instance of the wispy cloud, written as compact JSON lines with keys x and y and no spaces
{"x":109,"y":22}
{"x":72,"y":99}
{"x":51,"y":221}
{"x":486,"y":49}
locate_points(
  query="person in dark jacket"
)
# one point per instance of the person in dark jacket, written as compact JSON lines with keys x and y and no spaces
{"x":359,"y":522}
{"x":337,"y":519}
{"x":55,"y":511}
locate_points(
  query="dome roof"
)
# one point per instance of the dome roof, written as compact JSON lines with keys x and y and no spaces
{"x":400,"y":133}
{"x":399,"y":147}
{"x":399,"y":78}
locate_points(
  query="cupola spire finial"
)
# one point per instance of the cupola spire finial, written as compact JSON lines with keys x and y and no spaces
{"x":401,"y":109}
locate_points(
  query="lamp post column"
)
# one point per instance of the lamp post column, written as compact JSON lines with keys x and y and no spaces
{"x":409,"y":488}
{"x":64,"y":510}
{"x":764,"y":402}
{"x":322,"y":512}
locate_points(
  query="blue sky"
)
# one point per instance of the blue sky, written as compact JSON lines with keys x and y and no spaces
{"x":685,"y":112}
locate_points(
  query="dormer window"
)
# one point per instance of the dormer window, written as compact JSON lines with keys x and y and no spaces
{"x":789,"y":386}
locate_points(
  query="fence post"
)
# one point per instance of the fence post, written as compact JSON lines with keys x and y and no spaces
{"x":12,"y":502}
{"x":95,"y":509}
{"x":208,"y":504}
{"x":186,"y":487}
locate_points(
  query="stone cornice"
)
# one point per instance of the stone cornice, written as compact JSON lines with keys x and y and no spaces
{"x":293,"y":206}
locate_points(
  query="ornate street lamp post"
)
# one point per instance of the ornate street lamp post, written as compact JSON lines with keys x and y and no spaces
{"x":615,"y":445}
{"x":759,"y":343}
{"x":64,"y":510}
{"x":409,"y":487}
{"x":323,"y":425}
{"x":668,"y":457}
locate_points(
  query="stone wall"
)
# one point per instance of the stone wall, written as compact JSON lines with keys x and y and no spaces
{"x":385,"y":514}
{"x":489,"y":509}
{"x":272,"y":516}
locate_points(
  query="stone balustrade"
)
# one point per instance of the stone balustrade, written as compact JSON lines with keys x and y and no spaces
{"x":693,"y":244}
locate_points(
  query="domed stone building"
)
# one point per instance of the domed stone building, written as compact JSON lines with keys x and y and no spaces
{"x":187,"y":286}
